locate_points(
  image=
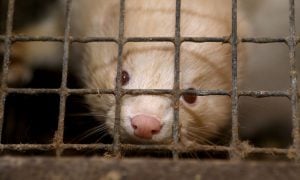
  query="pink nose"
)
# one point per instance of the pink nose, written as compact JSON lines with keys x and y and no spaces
{"x":145,"y":126}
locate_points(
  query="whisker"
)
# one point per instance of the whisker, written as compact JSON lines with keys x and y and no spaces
{"x":199,"y":138}
{"x":80,"y":114}
{"x":101,"y":137}
{"x":97,"y":129}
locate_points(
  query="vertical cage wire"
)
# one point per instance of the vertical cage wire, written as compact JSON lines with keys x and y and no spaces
{"x":118,"y":89}
{"x":234,"y":96}
{"x":6,"y":60}
{"x":176,"y":87}
{"x":59,"y":136}
{"x":292,"y":42}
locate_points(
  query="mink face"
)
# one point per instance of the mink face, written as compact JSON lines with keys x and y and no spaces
{"x":150,"y":65}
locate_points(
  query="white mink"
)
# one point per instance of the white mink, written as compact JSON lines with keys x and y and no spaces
{"x":150,"y":65}
{"x":148,"y":118}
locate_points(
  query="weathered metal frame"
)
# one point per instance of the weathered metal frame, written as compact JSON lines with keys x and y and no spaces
{"x":69,"y":168}
{"x":237,"y":149}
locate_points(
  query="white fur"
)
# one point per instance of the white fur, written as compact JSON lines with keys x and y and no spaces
{"x":151,"y":65}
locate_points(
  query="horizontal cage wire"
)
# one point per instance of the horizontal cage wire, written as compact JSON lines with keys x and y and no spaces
{"x":237,"y":148}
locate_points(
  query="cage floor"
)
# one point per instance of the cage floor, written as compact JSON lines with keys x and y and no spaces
{"x":115,"y":169}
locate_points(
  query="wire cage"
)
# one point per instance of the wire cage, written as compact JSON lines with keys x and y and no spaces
{"x":237,"y":149}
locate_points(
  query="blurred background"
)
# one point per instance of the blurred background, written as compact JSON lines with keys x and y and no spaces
{"x":267,"y":121}
{"x":34,"y":118}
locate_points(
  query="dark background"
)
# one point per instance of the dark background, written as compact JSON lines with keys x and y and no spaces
{"x":34,"y":118}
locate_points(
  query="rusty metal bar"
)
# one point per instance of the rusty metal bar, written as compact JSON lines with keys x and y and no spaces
{"x":263,"y":40}
{"x":25,"y":38}
{"x":247,"y":149}
{"x":262,"y":94}
{"x":234,"y":154}
{"x":198,"y":92}
{"x":293,"y":78}
{"x":176,"y":86}
{"x":7,"y":46}
{"x":53,"y":147}
{"x":118,"y":89}
{"x":59,"y":135}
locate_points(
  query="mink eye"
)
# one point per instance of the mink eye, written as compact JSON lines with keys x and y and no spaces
{"x":124,"y":78}
{"x":190,"y":98}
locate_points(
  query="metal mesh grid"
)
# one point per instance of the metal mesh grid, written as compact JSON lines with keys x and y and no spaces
{"x":237,"y":148}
